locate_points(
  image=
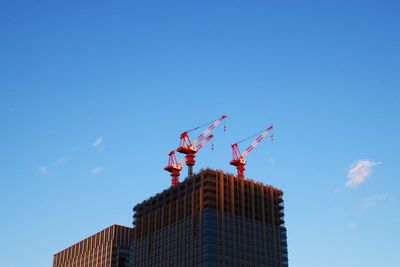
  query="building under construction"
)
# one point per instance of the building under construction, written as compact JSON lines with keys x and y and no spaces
{"x":211,"y":219}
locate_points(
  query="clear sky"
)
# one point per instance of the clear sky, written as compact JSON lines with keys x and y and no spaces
{"x":94,"y":94}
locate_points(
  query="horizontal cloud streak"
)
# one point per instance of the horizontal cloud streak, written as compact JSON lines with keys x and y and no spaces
{"x":372,"y":201}
{"x":45,"y":168}
{"x":97,"y":170}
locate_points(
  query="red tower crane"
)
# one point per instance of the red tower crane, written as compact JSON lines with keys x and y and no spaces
{"x":238,"y":159}
{"x":189,"y":148}
{"x":174,"y":167}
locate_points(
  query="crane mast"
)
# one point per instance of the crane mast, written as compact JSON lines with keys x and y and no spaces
{"x":190,"y":149}
{"x":238,"y":159}
{"x":174,"y":167}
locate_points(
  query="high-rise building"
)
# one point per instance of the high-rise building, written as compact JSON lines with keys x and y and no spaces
{"x":107,"y":248}
{"x":211,"y":219}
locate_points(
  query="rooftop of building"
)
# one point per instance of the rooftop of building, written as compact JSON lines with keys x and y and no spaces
{"x":180,"y":186}
{"x":97,"y":233}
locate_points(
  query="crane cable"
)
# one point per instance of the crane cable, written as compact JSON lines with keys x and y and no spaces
{"x":201,"y":126}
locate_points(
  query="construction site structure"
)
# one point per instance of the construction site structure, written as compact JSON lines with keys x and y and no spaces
{"x":211,"y":219}
{"x":190,"y":148}
{"x":238,"y":159}
{"x":175,"y":167}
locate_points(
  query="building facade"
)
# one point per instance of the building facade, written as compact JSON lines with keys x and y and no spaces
{"x":107,"y":248}
{"x":211,"y":219}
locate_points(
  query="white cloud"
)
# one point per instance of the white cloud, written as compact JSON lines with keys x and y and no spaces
{"x":352,"y":225}
{"x":98,"y":141}
{"x":371,"y":201}
{"x":97,"y":170}
{"x":359,"y":171}
{"x":61,"y":159}
{"x":43,"y":169}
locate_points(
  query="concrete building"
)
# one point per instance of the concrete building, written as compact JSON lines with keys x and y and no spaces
{"x":211,"y":219}
{"x":107,"y":248}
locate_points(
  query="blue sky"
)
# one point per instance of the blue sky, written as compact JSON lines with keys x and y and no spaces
{"x":94,"y":95}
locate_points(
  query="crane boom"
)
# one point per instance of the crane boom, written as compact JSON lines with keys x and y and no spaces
{"x":191,"y":148}
{"x":205,"y":141}
{"x":256,"y":141}
{"x":209,"y":129}
{"x":238,"y":159}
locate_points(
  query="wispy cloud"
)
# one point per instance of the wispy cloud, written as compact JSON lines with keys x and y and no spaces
{"x":97,"y":170}
{"x":336,"y":191}
{"x":98,"y":142}
{"x":352,"y":225}
{"x":45,"y":168}
{"x":359,"y":171}
{"x":372,"y":201}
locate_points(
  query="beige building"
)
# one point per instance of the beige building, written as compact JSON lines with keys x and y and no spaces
{"x":107,"y":248}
